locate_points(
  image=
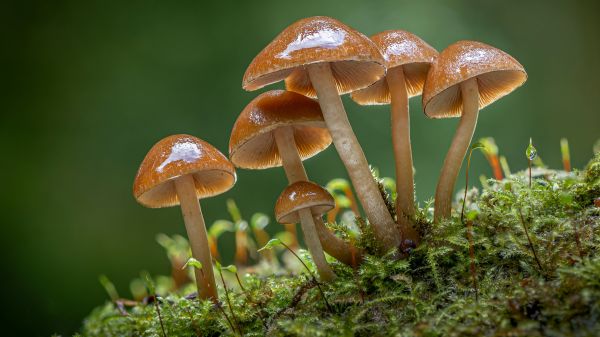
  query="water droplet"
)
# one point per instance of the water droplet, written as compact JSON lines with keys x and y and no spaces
{"x":531,"y":152}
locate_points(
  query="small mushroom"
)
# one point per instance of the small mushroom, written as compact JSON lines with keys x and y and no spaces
{"x":320,"y":56}
{"x":407,"y":59}
{"x":282,"y":128}
{"x":302,"y":202}
{"x":466,"y":77}
{"x":179,"y":170}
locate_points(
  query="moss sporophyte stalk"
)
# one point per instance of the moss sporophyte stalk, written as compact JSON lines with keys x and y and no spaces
{"x":516,"y":257}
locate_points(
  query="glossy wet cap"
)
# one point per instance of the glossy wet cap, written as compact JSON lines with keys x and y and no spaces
{"x":302,"y":195}
{"x":497,"y":73}
{"x":399,"y":48}
{"x":175,"y":156}
{"x":355,"y":61}
{"x":252,"y":143}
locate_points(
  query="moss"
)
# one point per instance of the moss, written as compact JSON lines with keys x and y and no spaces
{"x":534,"y":261}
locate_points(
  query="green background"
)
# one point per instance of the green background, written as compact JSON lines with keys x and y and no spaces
{"x":89,"y":86}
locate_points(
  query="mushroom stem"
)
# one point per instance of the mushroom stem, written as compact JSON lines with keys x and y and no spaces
{"x":458,"y":149}
{"x":196,"y":231}
{"x":314,"y":244}
{"x":400,"y":120}
{"x":352,"y":155}
{"x":294,"y":170}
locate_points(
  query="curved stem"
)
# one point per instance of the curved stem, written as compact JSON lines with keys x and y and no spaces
{"x":458,"y":149}
{"x":196,"y":231}
{"x":294,"y":170}
{"x":314,"y":245}
{"x":352,"y":155}
{"x":400,"y":120}
{"x":336,"y":247}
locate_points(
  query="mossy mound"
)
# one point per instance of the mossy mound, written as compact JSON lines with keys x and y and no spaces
{"x":523,"y":262}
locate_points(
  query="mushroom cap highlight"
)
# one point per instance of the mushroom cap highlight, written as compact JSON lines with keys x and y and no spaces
{"x":175,"y":156}
{"x":355,"y":61}
{"x":497,"y":73}
{"x":252,"y":143}
{"x":301,"y":195}
{"x":399,"y":48}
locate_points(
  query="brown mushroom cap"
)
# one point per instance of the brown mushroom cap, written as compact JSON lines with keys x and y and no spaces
{"x":175,"y":156}
{"x":301,"y":195}
{"x":497,"y":75}
{"x":399,"y":48}
{"x":252,"y":144}
{"x":355,"y":60}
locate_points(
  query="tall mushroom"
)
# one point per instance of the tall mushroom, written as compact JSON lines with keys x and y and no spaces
{"x":301,"y":202}
{"x":282,"y":128}
{"x":179,"y":170}
{"x":407,"y":59}
{"x":321,"y":56}
{"x":466,"y":77}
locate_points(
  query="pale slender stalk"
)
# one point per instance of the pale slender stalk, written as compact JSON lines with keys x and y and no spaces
{"x":458,"y":149}
{"x":311,"y":238}
{"x":400,"y":120}
{"x":294,"y":171}
{"x":353,"y":156}
{"x":196,"y":231}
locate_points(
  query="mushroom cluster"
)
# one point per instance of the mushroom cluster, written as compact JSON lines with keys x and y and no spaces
{"x":319,"y":59}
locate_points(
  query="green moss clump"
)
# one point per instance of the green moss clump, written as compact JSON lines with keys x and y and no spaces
{"x":534,"y":271}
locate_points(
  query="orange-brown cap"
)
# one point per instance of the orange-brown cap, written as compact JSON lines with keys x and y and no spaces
{"x":301,"y":195}
{"x":355,"y":61}
{"x":252,"y":144}
{"x":175,"y":156}
{"x":399,"y":48}
{"x":497,"y":75}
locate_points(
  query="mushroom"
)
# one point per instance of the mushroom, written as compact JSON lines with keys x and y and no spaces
{"x":466,"y":77}
{"x":320,"y":56}
{"x":407,"y":59}
{"x":179,"y":170}
{"x":282,"y":128}
{"x":302,"y":202}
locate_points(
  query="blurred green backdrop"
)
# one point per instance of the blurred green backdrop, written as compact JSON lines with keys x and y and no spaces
{"x":89,"y":86}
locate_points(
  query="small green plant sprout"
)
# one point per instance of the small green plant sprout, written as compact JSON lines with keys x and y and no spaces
{"x":321,"y":72}
{"x":177,"y":248}
{"x":596,"y":147}
{"x":531,"y":154}
{"x":138,"y":290}
{"x":341,"y":191}
{"x":505,"y":167}
{"x":474,"y":146}
{"x":566,"y":154}
{"x":235,"y":319}
{"x":109,"y":287}
{"x":145,"y":276}
{"x":459,"y":85}
{"x":273,"y":243}
{"x":258,"y":223}
{"x":179,"y":170}
{"x":233,"y":269}
{"x":407,"y":60}
{"x":242,"y":241}
{"x":215,"y":231}
{"x":490,"y":151}
{"x":302,"y":202}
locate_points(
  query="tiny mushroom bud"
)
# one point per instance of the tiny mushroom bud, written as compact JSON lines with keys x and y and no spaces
{"x":302,"y":202}
{"x":282,"y":128}
{"x":179,"y":170}
{"x":466,"y":77}
{"x":320,"y":56}
{"x":407,"y":59}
